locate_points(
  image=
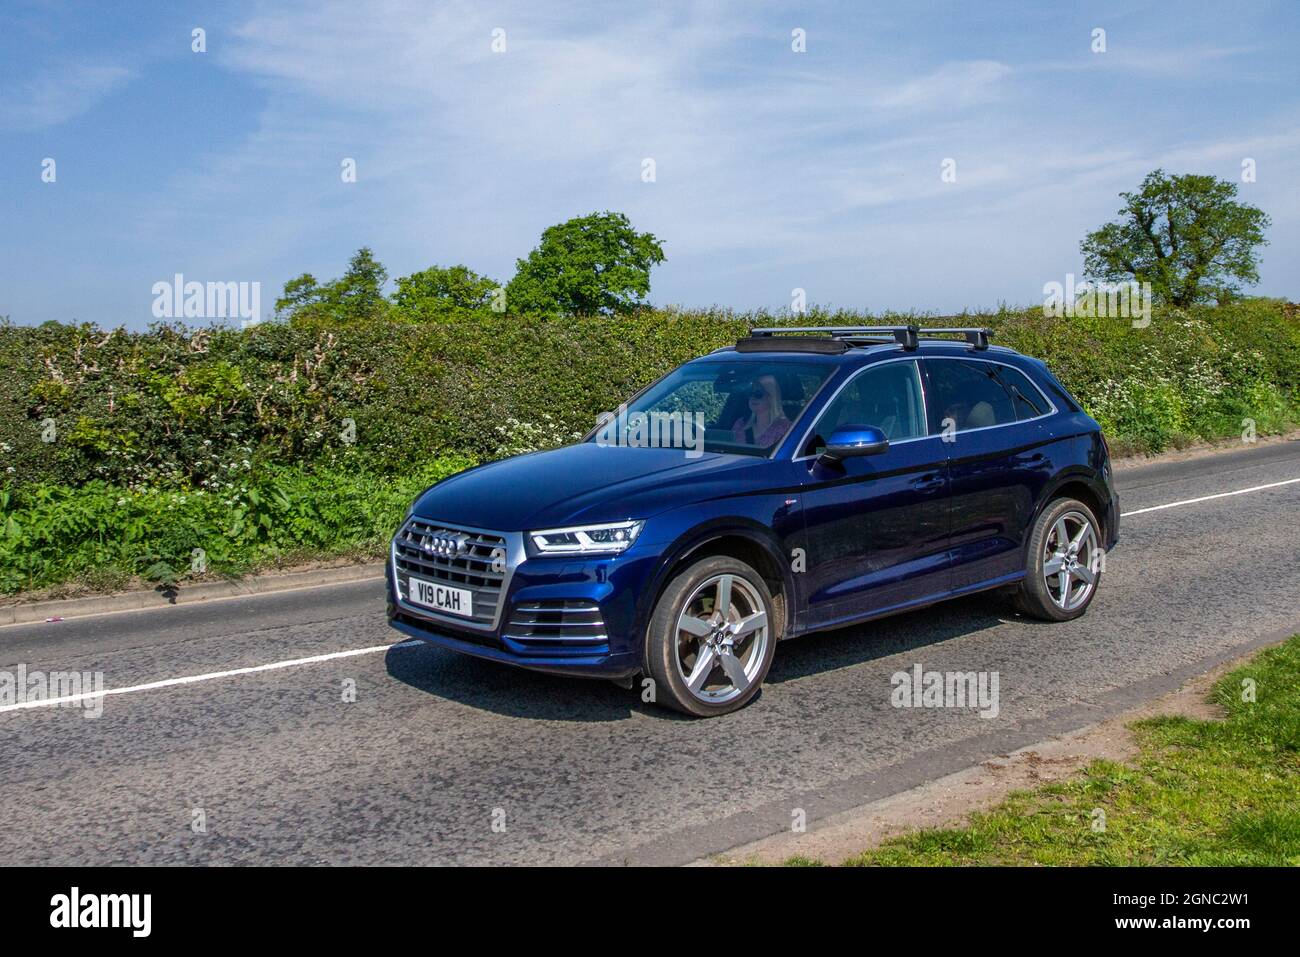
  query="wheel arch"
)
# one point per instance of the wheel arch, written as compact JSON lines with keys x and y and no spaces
{"x":744,"y":540}
{"x":1081,"y":485}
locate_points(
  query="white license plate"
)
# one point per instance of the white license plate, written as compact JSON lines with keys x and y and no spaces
{"x":453,"y":601}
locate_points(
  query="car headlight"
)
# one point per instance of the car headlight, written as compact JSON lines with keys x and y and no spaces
{"x":610,"y":538}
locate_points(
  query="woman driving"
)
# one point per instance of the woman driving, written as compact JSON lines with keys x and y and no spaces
{"x":766,"y":423}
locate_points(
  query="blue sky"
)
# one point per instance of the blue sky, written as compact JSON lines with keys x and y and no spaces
{"x":774,"y":169}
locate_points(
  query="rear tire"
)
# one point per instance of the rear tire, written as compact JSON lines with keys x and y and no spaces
{"x":1063,"y":566}
{"x":711,"y":638}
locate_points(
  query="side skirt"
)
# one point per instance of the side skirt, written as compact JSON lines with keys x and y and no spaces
{"x":1000,"y":582}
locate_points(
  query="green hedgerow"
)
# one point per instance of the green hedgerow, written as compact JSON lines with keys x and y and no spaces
{"x":127,"y":450}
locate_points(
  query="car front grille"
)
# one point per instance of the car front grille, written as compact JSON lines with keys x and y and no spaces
{"x":461,"y":558}
{"x":556,"y":623}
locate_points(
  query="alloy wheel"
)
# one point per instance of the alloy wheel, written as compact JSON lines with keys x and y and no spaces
{"x":722,"y":636}
{"x":1071,"y":560}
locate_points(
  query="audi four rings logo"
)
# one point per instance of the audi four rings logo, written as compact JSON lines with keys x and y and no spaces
{"x":445,"y":544}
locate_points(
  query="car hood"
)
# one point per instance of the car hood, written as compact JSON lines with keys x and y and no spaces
{"x":576,"y":485}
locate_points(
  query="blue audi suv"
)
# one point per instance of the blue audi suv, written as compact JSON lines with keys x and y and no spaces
{"x":803,"y":479}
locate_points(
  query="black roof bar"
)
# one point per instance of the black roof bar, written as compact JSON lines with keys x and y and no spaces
{"x":906,"y":336}
{"x":977,"y":337}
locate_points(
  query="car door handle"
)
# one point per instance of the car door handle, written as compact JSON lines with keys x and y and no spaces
{"x":929,"y":483}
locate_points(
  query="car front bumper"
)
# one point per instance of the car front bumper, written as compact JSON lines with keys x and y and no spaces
{"x":604,"y":593}
{"x":613,"y":666}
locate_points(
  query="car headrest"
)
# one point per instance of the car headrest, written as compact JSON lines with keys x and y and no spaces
{"x":981,"y":414}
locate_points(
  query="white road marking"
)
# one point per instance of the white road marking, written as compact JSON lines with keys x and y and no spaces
{"x":210,"y":676}
{"x":334,"y":656}
{"x":1206,"y":498}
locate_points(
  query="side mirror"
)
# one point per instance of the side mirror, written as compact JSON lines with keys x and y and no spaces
{"x":850,"y":441}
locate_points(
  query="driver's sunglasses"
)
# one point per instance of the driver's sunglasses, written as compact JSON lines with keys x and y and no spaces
{"x":758,"y":392}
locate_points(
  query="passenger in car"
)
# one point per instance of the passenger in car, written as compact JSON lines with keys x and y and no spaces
{"x":766,"y":423}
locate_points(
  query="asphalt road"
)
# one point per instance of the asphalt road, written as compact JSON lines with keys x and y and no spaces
{"x":438,"y":751}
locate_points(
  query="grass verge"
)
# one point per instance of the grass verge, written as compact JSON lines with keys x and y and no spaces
{"x":101,"y":537}
{"x":1200,"y":793}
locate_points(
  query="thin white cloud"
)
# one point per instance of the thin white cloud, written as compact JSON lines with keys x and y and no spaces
{"x":1189,"y":63}
{"x":952,"y":85}
{"x":58,"y":94}
{"x":773,"y":170}
{"x":572,"y":109}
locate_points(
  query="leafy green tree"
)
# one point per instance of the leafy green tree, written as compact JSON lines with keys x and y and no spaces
{"x":591,"y":265}
{"x":356,"y":296}
{"x":439,"y":292}
{"x":359,"y":294}
{"x":299,"y":293}
{"x":1186,"y":235}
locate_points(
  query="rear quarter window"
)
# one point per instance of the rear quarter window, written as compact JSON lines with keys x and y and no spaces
{"x":1051,"y":385}
{"x":1027,"y":398}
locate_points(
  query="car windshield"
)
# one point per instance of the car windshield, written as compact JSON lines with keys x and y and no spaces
{"x":717,"y":406}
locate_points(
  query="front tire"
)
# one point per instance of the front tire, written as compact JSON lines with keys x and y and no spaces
{"x":711,"y":638}
{"x":1063,"y":562}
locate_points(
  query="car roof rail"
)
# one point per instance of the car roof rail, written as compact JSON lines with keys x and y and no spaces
{"x":906,"y":336}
